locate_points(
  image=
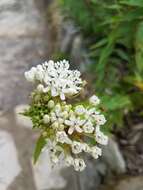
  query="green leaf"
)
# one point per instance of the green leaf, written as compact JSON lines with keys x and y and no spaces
{"x":100,"y":43}
{"x":139,"y":48}
{"x":104,"y":56}
{"x":138,"y":3}
{"x":39,"y":146}
{"x":112,"y":103}
{"x":122,"y":54}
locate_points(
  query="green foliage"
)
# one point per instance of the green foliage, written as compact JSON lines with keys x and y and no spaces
{"x":114,"y":30}
{"x":37,"y":109}
{"x":39,"y":146}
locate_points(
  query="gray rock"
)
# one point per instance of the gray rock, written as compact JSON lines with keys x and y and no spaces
{"x":131,"y":183}
{"x":47,"y":177}
{"x":112,"y":156}
{"x":9,"y":163}
{"x":127,"y":183}
{"x":71,"y":42}
{"x":93,"y":175}
{"x":22,"y":42}
{"x":98,"y":170}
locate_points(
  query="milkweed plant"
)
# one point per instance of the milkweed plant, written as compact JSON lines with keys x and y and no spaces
{"x":67,"y":130}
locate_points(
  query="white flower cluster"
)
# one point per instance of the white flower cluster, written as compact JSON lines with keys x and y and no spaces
{"x":68,"y":128}
{"x":72,"y":125}
{"x":56,"y":78}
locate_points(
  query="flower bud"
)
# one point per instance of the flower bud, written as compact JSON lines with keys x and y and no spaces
{"x":51,"y":104}
{"x":40,"y":88}
{"x":55,"y":125}
{"x":46,"y":119}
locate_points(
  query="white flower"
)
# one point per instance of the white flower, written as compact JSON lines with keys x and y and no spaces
{"x":39,"y":74}
{"x":94,"y":100}
{"x":86,"y":148}
{"x":79,"y":109}
{"x":74,"y":124}
{"x":57,"y":78}
{"x":51,"y":145}
{"x":62,"y":137}
{"x":79,"y":164}
{"x":100,"y":119}
{"x":69,"y":127}
{"x":55,"y":115}
{"x":46,"y":119}
{"x":91,"y":113}
{"x":96,"y":152}
{"x":77,"y":147}
{"x":30,"y":75}
{"x":88,"y":127}
{"x":100,"y":137}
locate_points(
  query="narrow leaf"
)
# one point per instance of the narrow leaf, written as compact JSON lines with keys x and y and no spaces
{"x":39,"y":146}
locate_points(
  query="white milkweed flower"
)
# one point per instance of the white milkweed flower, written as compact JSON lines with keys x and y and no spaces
{"x":77,"y":147}
{"x":86,"y":148}
{"x":57,"y":78}
{"x":79,"y":164}
{"x":91,"y":113}
{"x":66,"y":129}
{"x":79,"y":109}
{"x":74,"y":124}
{"x":30,"y":75}
{"x":94,"y":100}
{"x":100,"y":119}
{"x":96,"y":152}
{"x":88,"y":127}
{"x":100,"y":137}
{"x":62,"y":137}
{"x":39,"y":74}
{"x":58,"y":115}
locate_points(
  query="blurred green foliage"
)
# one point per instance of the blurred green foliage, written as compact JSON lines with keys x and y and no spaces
{"x":114,"y":31}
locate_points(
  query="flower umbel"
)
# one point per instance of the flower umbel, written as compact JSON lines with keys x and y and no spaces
{"x":66,"y":129}
{"x":56,"y":78}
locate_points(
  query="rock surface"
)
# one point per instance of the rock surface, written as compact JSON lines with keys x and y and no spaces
{"x":9,"y":163}
{"x":45,"y":176}
{"x":113,"y":157}
{"x":23,"y":44}
{"x":127,"y":183}
{"x":17,"y":171}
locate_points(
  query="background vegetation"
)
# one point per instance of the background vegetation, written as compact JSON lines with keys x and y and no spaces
{"x":113,"y":30}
